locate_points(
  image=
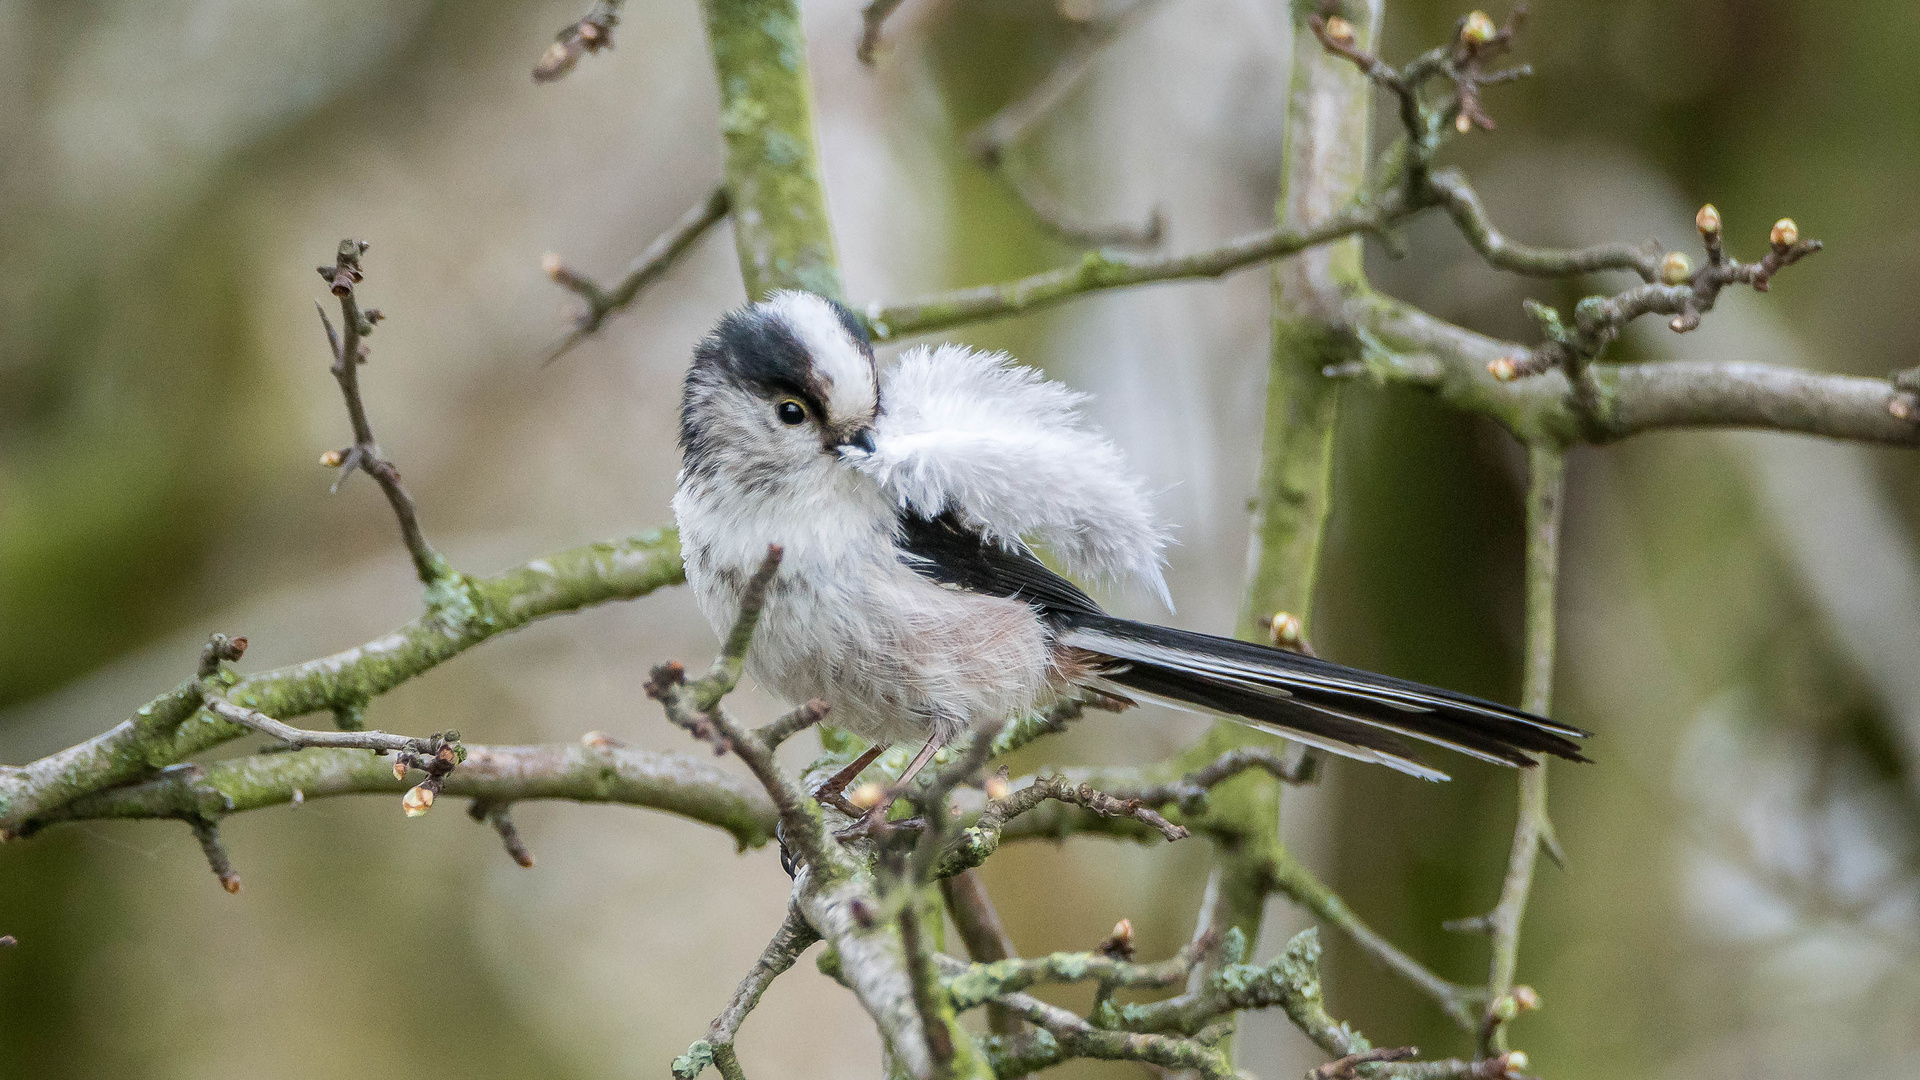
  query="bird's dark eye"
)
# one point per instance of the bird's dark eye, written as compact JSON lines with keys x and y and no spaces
{"x":791,"y":412}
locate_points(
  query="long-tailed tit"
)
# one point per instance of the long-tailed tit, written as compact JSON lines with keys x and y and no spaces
{"x":908,"y":599}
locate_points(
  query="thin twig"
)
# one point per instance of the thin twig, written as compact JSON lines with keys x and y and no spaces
{"x":654,"y":262}
{"x":349,"y":352}
{"x":872,"y":17}
{"x":207,"y":831}
{"x":500,"y":816}
{"x":982,"y":932}
{"x":989,"y":143}
{"x":591,"y":33}
{"x":301,"y":738}
{"x":793,"y":938}
{"x":1546,"y":496}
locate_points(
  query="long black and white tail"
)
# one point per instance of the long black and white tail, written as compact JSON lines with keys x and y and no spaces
{"x":1346,"y":711}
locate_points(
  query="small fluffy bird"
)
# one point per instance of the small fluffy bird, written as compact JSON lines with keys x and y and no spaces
{"x":908,"y":598}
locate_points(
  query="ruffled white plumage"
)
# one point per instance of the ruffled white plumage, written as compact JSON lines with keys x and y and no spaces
{"x":1007,"y":451}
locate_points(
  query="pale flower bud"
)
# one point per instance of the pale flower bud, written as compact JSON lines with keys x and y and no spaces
{"x":1526,"y":997}
{"x":1707,"y":220}
{"x":1503,"y":369}
{"x":1785,"y":233}
{"x":1517,"y":1061}
{"x":550,"y":263}
{"x":867,"y":796}
{"x":1505,"y":1008}
{"x":1676,"y":268}
{"x":996,"y":786}
{"x":418,"y":800}
{"x":1478,"y":29}
{"x":1339,"y":31}
{"x":399,"y":769}
{"x":332,"y":459}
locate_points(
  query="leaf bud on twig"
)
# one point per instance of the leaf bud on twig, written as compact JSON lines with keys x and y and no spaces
{"x":1707,"y":220}
{"x":332,"y":459}
{"x":1284,"y":629}
{"x":1785,"y":233}
{"x":418,"y":800}
{"x":996,"y":785}
{"x":1504,"y":368}
{"x":1676,"y":268}
{"x":1526,"y":998}
{"x":867,"y":795}
{"x":1339,"y":30}
{"x":1478,"y":29}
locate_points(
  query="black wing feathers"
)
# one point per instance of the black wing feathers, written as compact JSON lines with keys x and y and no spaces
{"x":1327,"y":704}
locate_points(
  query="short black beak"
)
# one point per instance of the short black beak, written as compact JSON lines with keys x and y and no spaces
{"x":862,"y":439}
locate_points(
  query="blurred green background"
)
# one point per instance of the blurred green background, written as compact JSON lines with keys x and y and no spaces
{"x":1741,"y":614}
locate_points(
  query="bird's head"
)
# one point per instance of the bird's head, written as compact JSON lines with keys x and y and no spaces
{"x":778,"y":385}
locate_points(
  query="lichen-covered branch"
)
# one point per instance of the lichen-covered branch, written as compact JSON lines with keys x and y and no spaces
{"x":593,"y":771}
{"x":779,"y":203}
{"x":174,"y":726}
{"x":1101,"y":270}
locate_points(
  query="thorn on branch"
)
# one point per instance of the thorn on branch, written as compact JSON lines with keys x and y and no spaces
{"x":500,"y":817}
{"x":591,"y":34}
{"x":207,"y":832}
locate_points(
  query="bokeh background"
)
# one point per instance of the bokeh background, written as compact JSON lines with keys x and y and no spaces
{"x":1742,"y":612}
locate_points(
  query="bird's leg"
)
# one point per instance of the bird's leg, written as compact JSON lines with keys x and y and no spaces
{"x":876,"y":815}
{"x":919,"y":762}
{"x":830,"y":790}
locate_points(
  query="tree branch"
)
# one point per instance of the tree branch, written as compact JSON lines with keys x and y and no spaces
{"x":588,"y":772}
{"x":990,"y":141}
{"x":653,"y":264}
{"x":1546,"y":497}
{"x":982,"y":932}
{"x":793,"y":938}
{"x":349,"y":352}
{"x":174,"y":727}
{"x":1103,"y":270}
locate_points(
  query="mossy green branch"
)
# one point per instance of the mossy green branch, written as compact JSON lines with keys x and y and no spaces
{"x":600,"y":773}
{"x":779,"y":203}
{"x":173,"y":727}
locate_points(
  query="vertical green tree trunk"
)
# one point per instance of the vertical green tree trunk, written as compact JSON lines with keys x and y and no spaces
{"x":1323,"y":165}
{"x":780,"y":223}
